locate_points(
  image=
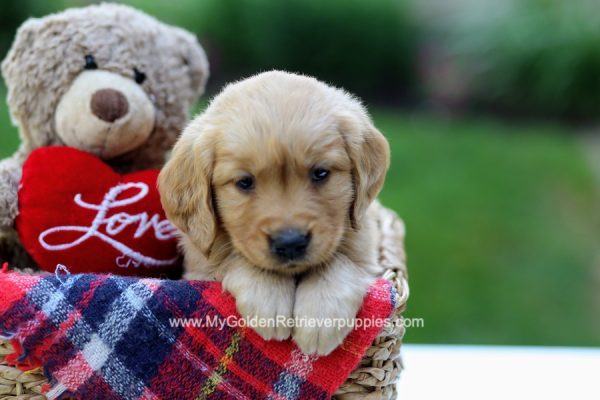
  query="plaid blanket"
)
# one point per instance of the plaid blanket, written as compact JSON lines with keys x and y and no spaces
{"x":109,"y":337}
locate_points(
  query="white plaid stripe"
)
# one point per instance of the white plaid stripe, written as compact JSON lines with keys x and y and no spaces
{"x":98,"y":347}
{"x":126,"y":307}
{"x":52,"y":303}
{"x":301,"y":364}
{"x":167,"y":333}
{"x":96,"y":352}
{"x":121,"y":380}
{"x":52,"y":300}
{"x":94,"y":347}
{"x":41,"y":294}
{"x":124,"y":310}
{"x":297,"y":370}
{"x":56,"y":391}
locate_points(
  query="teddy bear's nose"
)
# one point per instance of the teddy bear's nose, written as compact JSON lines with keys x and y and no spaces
{"x":109,"y":105}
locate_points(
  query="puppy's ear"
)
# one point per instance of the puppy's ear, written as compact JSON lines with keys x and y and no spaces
{"x":185,"y":186}
{"x":369,"y":152}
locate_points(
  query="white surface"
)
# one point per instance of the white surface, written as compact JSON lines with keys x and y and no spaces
{"x":498,"y":372}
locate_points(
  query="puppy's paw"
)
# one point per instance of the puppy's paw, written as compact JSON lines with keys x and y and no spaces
{"x":265,"y":301}
{"x":267,"y":312}
{"x":323,"y":320}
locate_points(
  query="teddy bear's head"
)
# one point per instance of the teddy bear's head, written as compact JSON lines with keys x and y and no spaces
{"x":106,"y":79}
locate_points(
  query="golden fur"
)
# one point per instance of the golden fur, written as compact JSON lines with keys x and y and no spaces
{"x":276,"y":127}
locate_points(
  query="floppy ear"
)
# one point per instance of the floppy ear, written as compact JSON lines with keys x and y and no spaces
{"x":185,"y":187}
{"x":369,"y":152}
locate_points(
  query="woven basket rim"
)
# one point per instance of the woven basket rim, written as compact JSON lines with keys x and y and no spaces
{"x":379,"y":370}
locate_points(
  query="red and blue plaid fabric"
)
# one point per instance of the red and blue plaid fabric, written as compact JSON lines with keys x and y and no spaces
{"x":109,"y":337}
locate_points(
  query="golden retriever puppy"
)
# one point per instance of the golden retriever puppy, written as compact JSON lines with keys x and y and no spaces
{"x":270,"y":188}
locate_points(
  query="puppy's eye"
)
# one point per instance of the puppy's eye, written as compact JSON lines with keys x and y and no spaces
{"x":90,"y":62}
{"x":319,"y":174}
{"x":139,"y":76}
{"x":245,"y":184}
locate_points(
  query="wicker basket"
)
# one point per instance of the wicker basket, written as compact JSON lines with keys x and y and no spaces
{"x":375,"y":377}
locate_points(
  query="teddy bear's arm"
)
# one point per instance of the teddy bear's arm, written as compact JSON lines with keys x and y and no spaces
{"x":10,"y":176}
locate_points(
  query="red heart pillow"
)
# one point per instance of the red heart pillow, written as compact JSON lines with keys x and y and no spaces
{"x":76,"y":211}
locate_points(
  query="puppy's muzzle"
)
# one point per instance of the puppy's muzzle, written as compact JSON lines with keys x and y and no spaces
{"x":289,"y":244}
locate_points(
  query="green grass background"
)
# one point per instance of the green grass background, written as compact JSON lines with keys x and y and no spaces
{"x":8,"y":133}
{"x":503,"y":228}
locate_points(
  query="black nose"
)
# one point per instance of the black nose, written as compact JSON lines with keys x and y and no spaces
{"x":289,"y":244}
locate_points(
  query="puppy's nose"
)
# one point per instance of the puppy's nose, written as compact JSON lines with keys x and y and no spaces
{"x":289,"y":244}
{"x":109,"y":105}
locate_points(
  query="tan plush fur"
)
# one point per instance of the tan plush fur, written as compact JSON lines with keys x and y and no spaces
{"x":277,"y":128}
{"x":49,"y":92}
{"x":77,"y":125}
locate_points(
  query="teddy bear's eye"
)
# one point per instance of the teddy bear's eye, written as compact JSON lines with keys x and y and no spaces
{"x":139,"y":76}
{"x":90,"y":62}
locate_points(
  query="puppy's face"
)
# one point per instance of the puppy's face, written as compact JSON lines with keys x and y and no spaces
{"x":284,"y":195}
{"x":278,"y":168}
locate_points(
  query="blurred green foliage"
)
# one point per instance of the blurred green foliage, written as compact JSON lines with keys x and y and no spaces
{"x":538,"y":57}
{"x":14,"y":12}
{"x":9,"y":139}
{"x":367,"y":47}
{"x":502,"y":223}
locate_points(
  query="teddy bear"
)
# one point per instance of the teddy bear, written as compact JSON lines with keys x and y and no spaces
{"x":104,"y":81}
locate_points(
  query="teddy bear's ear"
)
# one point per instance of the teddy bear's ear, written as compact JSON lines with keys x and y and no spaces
{"x":194,"y":59}
{"x":21,"y":71}
{"x":23,"y":39}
